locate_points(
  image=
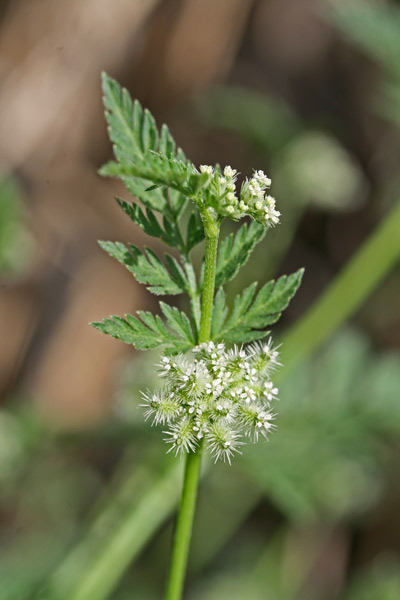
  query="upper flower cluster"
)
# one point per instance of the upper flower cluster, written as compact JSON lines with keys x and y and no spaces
{"x":220,"y":395}
{"x":253,"y":200}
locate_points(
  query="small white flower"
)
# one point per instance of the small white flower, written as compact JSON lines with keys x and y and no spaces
{"x":248,"y":394}
{"x":255,"y":188}
{"x":271,"y":353}
{"x":206,"y":169}
{"x":270,"y":200}
{"x":229,"y":172}
{"x":270,"y":392}
{"x":262,"y":178}
{"x":165,"y":366}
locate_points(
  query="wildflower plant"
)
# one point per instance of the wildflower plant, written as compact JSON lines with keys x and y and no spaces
{"x":216,"y":377}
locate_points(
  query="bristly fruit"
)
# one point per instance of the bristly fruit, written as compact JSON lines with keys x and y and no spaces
{"x":217,"y":394}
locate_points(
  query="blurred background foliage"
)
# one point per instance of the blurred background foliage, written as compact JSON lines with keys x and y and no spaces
{"x":309,"y":91}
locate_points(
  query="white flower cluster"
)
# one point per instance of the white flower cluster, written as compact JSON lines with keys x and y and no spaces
{"x":220,"y":395}
{"x":253,"y":200}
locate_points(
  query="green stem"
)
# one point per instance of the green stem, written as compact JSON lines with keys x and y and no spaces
{"x":211,"y":228}
{"x":183,"y":529}
{"x":184,"y":523}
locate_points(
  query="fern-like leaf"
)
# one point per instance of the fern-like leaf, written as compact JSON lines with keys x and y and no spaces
{"x":178,"y":322}
{"x":235,"y":250}
{"x":145,"y":153}
{"x":220,"y":312}
{"x":159,"y":169}
{"x":148,"y":268}
{"x":195,"y":231}
{"x":147,"y":221}
{"x":249,"y":318}
{"x":144,"y":333}
{"x":131,"y":129}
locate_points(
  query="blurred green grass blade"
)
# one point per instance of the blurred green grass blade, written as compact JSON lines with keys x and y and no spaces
{"x":344,"y":296}
{"x":94,"y":568}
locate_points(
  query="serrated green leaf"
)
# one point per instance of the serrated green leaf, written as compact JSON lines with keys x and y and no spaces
{"x":152,"y":168}
{"x":195,"y":231}
{"x":146,"y":267}
{"x":145,"y":333}
{"x":248,"y":319}
{"x":153,"y":322}
{"x":176,"y":201}
{"x":241,"y":335}
{"x":178,"y":322}
{"x":167,"y":147}
{"x":159,"y":169}
{"x":136,"y":214}
{"x":235,"y":250}
{"x":154,"y":199}
{"x":220,"y":311}
{"x":142,"y":153}
{"x":150,"y":225}
{"x":193,"y":294}
{"x":149,"y":131}
{"x":132,"y":130}
{"x":173,"y":234}
{"x":167,"y":143}
{"x":176,"y":271}
{"x":155,"y":226}
{"x":242,"y":303}
{"x":273,"y":298}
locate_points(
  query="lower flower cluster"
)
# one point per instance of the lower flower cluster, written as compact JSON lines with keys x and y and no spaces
{"x":217,"y":394}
